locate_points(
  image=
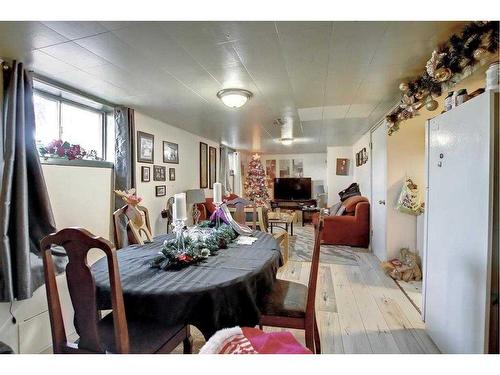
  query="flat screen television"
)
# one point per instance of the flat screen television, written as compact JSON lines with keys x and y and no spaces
{"x":291,"y":188}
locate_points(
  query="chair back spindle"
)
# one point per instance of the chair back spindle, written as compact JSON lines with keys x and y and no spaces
{"x":313,"y":275}
{"x":81,"y":285}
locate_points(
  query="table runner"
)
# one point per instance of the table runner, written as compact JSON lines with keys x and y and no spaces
{"x":223,"y":291}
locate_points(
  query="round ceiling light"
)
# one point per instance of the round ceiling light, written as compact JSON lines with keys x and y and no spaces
{"x":234,"y":98}
{"x":286,"y":141}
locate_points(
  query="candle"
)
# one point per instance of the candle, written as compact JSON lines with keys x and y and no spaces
{"x":217,"y":192}
{"x":179,"y":208}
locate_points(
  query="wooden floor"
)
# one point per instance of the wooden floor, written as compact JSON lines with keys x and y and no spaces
{"x":361,"y":310}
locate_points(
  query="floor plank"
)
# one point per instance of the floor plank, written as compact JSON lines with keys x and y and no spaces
{"x":354,"y":337}
{"x":379,"y":334}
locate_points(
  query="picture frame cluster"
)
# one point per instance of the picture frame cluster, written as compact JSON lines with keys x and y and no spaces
{"x":361,"y":157}
{"x":145,"y":154}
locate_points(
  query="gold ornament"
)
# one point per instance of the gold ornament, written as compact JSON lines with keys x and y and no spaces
{"x":431,"y":105}
{"x":403,"y":86}
{"x":442,"y":74}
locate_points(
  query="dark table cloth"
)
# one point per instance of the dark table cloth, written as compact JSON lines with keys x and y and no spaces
{"x":223,"y":291}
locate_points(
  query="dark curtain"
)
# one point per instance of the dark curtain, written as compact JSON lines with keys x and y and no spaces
{"x":124,"y":161}
{"x":124,"y":151}
{"x":25,"y":211}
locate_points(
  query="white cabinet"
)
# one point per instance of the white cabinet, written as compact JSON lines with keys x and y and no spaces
{"x":459,"y":225}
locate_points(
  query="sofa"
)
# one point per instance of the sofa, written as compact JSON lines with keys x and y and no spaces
{"x":350,"y":226}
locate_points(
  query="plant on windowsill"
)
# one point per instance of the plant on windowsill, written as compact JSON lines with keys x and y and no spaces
{"x":60,"y":149}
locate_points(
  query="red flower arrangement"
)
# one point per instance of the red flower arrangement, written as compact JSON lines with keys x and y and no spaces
{"x":63,"y":149}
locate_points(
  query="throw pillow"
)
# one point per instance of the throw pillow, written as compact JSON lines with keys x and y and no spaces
{"x":334,"y":209}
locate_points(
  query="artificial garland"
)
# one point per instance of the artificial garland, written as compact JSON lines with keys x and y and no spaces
{"x":202,"y":242}
{"x":447,"y":63}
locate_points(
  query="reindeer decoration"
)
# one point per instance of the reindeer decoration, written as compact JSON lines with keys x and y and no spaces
{"x":137,"y":220}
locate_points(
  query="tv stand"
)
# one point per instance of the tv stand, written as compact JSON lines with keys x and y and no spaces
{"x":295,"y":204}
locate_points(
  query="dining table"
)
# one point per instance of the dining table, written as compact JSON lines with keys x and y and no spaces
{"x":222,"y":291}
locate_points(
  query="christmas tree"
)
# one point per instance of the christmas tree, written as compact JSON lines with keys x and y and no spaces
{"x":255,"y":182}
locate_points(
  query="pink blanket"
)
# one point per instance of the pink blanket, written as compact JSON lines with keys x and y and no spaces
{"x":247,"y":340}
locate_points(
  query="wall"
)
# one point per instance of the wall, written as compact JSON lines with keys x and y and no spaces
{"x":338,"y":183}
{"x":314,"y":165}
{"x":362,"y":174}
{"x":186,"y":172}
{"x":80,"y":196}
{"x":406,"y":157}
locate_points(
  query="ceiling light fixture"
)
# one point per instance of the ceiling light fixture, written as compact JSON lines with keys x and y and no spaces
{"x":234,"y":98}
{"x":286,"y":141}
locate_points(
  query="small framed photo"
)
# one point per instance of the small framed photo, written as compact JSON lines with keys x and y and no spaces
{"x":145,"y":174}
{"x":342,"y":167}
{"x":159,"y":173}
{"x":145,"y":147}
{"x":170,"y":152}
{"x":171,"y":174}
{"x":161,"y":190}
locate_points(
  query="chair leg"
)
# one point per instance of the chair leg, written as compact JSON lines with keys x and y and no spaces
{"x":187,"y":344}
{"x":260,"y":327}
{"x":317,"y":341}
{"x":309,"y":333}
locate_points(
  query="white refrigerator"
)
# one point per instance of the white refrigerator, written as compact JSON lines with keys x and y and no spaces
{"x":461,"y":226}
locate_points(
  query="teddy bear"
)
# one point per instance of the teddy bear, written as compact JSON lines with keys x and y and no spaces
{"x":406,"y":268}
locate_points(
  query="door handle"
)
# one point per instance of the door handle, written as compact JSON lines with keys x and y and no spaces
{"x":381,"y":202}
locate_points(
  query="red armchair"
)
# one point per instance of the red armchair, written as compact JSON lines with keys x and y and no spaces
{"x":207,"y":208}
{"x":352,"y":228}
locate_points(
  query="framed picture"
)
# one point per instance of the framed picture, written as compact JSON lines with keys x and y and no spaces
{"x":284,"y":166}
{"x":145,"y":147}
{"x":212,"y":158}
{"x":171,"y":174}
{"x":161,"y":190}
{"x":270,"y":173}
{"x":357,"y":159}
{"x":342,"y":167}
{"x":203,"y":165}
{"x":364,"y":156}
{"x":170,"y":152}
{"x":145,"y":174}
{"x":159,"y":173}
{"x":298,"y":167}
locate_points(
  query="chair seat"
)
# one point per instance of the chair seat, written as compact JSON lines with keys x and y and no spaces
{"x":287,"y":299}
{"x":145,"y":336}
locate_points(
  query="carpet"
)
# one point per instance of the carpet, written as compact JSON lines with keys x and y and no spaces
{"x":302,"y":243}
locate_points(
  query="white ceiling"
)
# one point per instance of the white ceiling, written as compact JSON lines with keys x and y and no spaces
{"x":333,"y":80}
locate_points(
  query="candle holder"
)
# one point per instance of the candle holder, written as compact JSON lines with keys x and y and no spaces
{"x":218,"y":210}
{"x":178,"y":229}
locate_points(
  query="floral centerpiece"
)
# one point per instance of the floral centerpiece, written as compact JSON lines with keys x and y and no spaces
{"x":65,"y":150}
{"x":199,"y":243}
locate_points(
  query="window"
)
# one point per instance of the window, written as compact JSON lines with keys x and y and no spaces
{"x":59,"y":118}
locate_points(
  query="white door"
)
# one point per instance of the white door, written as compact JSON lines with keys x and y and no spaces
{"x":458,"y":210}
{"x":379,"y":191}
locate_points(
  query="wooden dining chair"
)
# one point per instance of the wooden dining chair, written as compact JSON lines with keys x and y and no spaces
{"x":123,"y":235}
{"x":284,"y":243}
{"x":114,"y":333}
{"x":292,"y":305}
